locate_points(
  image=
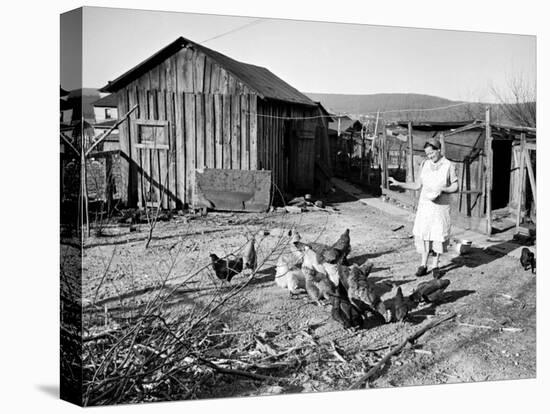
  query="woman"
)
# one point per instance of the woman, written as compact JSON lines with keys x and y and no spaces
{"x":432,"y":224}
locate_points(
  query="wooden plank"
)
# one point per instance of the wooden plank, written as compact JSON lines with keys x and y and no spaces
{"x":171,"y":73}
{"x":154,"y":87}
{"x":188,"y":71}
{"x":124,"y":142}
{"x":531,"y":174}
{"x":521,"y":185}
{"x":253,"y":135}
{"x":179,"y":70}
{"x":207,"y":75}
{"x":489,"y":170}
{"x":190,"y":144}
{"x":171,"y":156}
{"x":223,"y":88}
{"x":137,"y":172}
{"x":218,"y":130}
{"x":200,"y":131}
{"x":235,"y":132}
{"x":163,"y":161}
{"x":210,"y":135}
{"x":245,"y":143}
{"x":199,"y":66}
{"x":442,"y":141}
{"x":181,"y":156}
{"x":162,"y":75}
{"x":231,"y":85}
{"x":226,"y":131}
{"x":215,"y":79}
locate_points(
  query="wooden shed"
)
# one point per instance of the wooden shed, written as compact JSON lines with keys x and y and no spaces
{"x":495,"y":167}
{"x":198,"y":109}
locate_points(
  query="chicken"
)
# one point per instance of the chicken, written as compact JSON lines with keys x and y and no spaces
{"x":311,"y":258}
{"x":330,"y":254}
{"x":318,"y":285}
{"x":343,"y":245}
{"x":249,"y":255}
{"x":289,"y":276}
{"x":400,"y":306}
{"x":226,"y":269}
{"x":362,"y":292}
{"x":527,"y":259}
{"x":343,"y":311}
{"x":429,"y":292}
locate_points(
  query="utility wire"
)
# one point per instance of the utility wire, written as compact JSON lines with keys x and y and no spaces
{"x":254,"y":22}
{"x":367,"y":113}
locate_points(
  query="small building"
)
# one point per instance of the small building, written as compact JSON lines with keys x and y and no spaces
{"x":197,"y":109}
{"x":488,"y":157}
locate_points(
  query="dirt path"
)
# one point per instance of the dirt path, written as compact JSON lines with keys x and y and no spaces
{"x":487,"y":292}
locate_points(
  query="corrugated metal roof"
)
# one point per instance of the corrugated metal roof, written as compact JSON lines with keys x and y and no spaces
{"x":108,"y":101}
{"x":257,"y":78}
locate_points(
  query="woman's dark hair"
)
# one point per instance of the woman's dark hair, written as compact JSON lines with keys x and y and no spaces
{"x":435,"y":144}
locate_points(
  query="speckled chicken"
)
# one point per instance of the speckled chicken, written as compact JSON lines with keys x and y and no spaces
{"x":330,"y":254}
{"x":430,"y":292}
{"x":226,"y":269}
{"x":318,"y":285}
{"x":249,"y":255}
{"x":362,"y":292}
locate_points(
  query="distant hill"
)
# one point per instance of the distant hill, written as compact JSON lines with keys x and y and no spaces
{"x":412,"y":102}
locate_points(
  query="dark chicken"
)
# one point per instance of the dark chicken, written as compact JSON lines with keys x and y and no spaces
{"x":343,"y":311}
{"x":362,"y":291}
{"x":400,"y":306}
{"x":343,"y":246}
{"x":430,"y":292}
{"x":226,"y":269}
{"x":527,"y":259}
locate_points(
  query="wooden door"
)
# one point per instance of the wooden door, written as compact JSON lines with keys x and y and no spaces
{"x":152,"y":159}
{"x":302,"y":160}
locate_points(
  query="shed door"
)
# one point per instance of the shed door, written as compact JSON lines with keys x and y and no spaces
{"x":152,"y":162}
{"x":302,"y":160}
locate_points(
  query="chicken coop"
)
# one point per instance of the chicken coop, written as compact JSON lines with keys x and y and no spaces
{"x":495,"y":167}
{"x":199,"y":110}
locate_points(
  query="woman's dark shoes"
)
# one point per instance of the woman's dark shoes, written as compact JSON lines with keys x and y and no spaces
{"x":437,"y":273}
{"x":422,"y":271}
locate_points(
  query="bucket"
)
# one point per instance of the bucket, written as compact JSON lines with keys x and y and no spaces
{"x":463,"y":246}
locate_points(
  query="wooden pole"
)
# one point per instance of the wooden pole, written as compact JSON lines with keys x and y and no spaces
{"x":521,"y":179}
{"x":410,"y":154}
{"x":85,"y":222}
{"x":531,"y":174}
{"x":468,"y":187}
{"x":489,"y":170}
{"x":442,"y":141}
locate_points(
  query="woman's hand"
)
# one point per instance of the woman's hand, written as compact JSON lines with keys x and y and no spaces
{"x":393,"y":181}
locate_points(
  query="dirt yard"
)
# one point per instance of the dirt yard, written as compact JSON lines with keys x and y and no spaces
{"x":269,"y":333}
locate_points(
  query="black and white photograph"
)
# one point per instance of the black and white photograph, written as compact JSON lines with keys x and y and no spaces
{"x":248,"y":207}
{"x":255,"y":206}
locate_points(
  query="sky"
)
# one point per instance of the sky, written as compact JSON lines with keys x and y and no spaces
{"x":314,"y":56}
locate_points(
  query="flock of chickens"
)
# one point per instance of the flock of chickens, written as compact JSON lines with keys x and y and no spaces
{"x":324,"y":272}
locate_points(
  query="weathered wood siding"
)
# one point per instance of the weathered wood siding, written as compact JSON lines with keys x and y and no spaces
{"x":288,"y":138}
{"x":211,"y":118}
